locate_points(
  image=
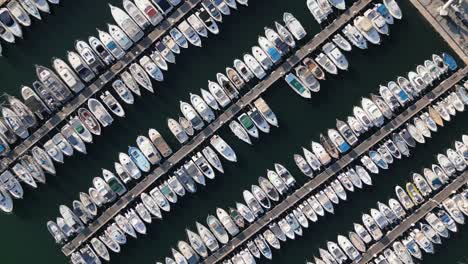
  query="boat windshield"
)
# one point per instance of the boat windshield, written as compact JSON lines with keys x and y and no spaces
{"x":6,"y":19}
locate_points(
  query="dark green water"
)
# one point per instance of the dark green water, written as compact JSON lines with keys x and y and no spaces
{"x":411,"y":41}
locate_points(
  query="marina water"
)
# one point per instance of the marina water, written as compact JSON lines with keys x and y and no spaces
{"x":24,"y":236}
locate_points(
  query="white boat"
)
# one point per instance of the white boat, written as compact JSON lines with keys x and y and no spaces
{"x":336,"y":252}
{"x":378,"y":21}
{"x":189,"y":33}
{"x":129,"y":166}
{"x":363,"y":175}
{"x":100,"y":248}
{"x":14,"y":123}
{"x":402,"y":253}
{"x":196,"y":242}
{"x":130,"y":82}
{"x":451,"y":207}
{"x":297,"y":86}
{"x":364,"y":25}
{"x":126,"y":23}
{"x":261,"y":57}
{"x":356,"y":38}
{"x":153,"y":71}
{"x":120,"y":36}
{"x":148,"y":150}
{"x":178,"y":38}
{"x":213,"y":11}
{"x":277,"y":181}
{"x":160,"y":199}
{"x":258,"y":120}
{"x":347,"y":133}
{"x":434,"y":221}
{"x":372,"y":227}
{"x":7,"y":20}
{"x":325,"y":202}
{"x":207,"y":21}
{"x":223,"y":148}
{"x":218,"y":93}
{"x":20,"y":171}
{"x":81,"y":130}
{"x":227,"y":222}
{"x":307,"y":78}
{"x":285,"y":35}
{"x":111,"y":45}
{"x":341,"y":42}
{"x":80,"y":67}
{"x":339,"y":4}
{"x":136,"y":14}
{"x":43,"y":159}
{"x":235,"y":78}
{"x":373,"y":112}
{"x":326,"y":63}
{"x":222,"y":6}
{"x":217,"y":229}
{"x":53,"y":151}
{"x":227,"y":86}
{"x":31,"y":8}
{"x":335,"y":55}
{"x":202,"y":108}
{"x":266,"y":111}
{"x":69,"y":77}
{"x":243,"y":70}
{"x":88,"y":56}
{"x":62,"y":144}
{"x":209,"y":99}
{"x":240,"y":131}
{"x":112,"y":103}
{"x":316,"y":11}
{"x":207,"y":237}
{"x":338,"y":141}
{"x":203,"y":165}
{"x":122,"y":90}
{"x":213,"y":158}
{"x":114,"y":233}
{"x":177,"y":130}
{"x":294,"y":26}
{"x":195,"y":22}
{"x":19,"y":13}
{"x":393,"y":8}
{"x":189,"y":112}
{"x":152,"y":13}
{"x":140,"y":76}
{"x":321,"y":153}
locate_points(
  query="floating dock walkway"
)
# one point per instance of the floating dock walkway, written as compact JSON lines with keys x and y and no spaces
{"x":409,"y":222}
{"x":308,"y":188}
{"x":211,"y":129}
{"x":109,"y":75}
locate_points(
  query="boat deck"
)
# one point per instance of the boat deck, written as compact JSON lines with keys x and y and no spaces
{"x":409,"y":222}
{"x":299,"y":195}
{"x":211,"y":129}
{"x":69,"y":108}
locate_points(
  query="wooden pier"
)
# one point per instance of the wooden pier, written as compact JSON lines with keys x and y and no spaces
{"x":311,"y":186}
{"x":409,"y":222}
{"x":211,"y":129}
{"x":109,"y":75}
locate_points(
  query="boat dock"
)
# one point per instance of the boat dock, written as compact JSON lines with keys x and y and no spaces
{"x":211,"y":129}
{"x":308,"y":188}
{"x":450,"y":28}
{"x":109,"y":75}
{"x":409,"y":222}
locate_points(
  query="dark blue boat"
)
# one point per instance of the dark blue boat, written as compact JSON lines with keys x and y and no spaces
{"x":450,"y":61}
